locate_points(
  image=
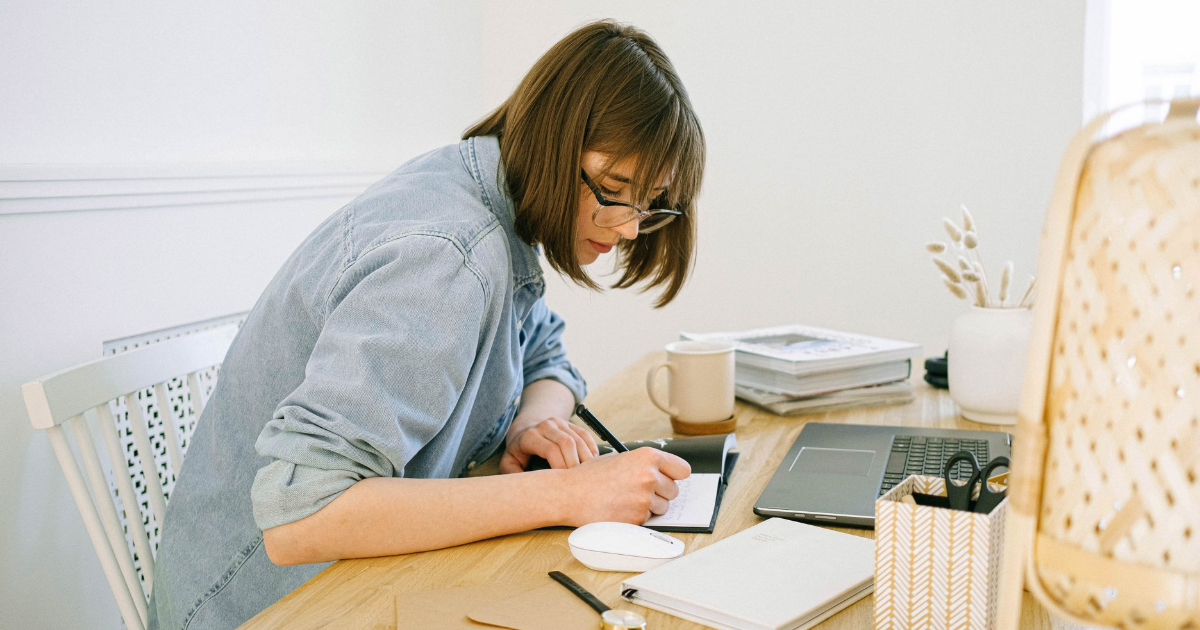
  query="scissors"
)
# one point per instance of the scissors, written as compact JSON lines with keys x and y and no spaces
{"x":960,"y":495}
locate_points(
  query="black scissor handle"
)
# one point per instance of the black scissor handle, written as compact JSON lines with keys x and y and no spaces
{"x":988,"y":500}
{"x":960,"y":496}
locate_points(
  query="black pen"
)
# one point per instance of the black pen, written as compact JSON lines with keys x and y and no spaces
{"x":580,"y":592}
{"x":594,"y":423}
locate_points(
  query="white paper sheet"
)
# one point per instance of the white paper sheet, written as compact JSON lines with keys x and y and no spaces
{"x":694,"y":506}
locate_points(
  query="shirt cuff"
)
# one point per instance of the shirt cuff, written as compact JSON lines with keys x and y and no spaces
{"x":564,"y":373}
{"x":284,"y":492}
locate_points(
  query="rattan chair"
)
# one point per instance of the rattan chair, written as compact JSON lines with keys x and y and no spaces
{"x":143,"y":401}
{"x":1104,"y":526}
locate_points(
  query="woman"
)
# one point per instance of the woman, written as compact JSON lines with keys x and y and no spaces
{"x":406,"y":340}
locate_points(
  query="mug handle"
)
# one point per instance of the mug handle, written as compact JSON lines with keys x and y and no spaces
{"x":650,"y":387}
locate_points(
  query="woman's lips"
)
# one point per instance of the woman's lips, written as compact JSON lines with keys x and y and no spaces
{"x":602,"y":248}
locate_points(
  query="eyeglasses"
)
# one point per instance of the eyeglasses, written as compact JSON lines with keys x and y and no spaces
{"x":613,"y":213}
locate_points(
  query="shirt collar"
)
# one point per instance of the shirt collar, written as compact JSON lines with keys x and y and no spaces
{"x":482,"y":155}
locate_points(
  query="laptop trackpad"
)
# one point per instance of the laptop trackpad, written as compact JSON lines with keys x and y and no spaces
{"x":833,"y":461}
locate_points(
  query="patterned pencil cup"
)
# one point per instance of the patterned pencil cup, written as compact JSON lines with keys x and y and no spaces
{"x":935,"y":568}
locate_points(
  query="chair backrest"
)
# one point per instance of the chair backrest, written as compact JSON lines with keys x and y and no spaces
{"x":1105,"y":525}
{"x":161,"y":388}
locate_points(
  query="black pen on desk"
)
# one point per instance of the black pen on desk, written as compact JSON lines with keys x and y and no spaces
{"x":594,"y":423}
{"x":579,"y":591}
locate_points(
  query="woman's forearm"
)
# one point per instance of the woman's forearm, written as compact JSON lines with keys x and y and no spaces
{"x":540,"y":400}
{"x":383,"y":516}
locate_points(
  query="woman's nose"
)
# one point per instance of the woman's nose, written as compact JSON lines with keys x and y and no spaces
{"x":628,"y":230}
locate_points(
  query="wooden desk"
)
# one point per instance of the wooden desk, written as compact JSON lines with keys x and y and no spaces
{"x":360,"y":593}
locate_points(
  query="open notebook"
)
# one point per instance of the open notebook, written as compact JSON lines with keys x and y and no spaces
{"x":712,"y":458}
{"x":695,"y":509}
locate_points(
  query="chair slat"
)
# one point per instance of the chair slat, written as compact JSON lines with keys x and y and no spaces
{"x":108,"y":513}
{"x":141,"y":437}
{"x":129,"y":502}
{"x":91,"y":522}
{"x":198,"y":401}
{"x":68,"y":395}
{"x":167,"y":416}
{"x":55,"y":398}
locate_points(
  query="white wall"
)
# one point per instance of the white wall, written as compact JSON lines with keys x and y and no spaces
{"x":135,"y":83}
{"x":839,"y":134}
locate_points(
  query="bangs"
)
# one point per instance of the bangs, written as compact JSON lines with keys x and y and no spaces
{"x":667,"y":146}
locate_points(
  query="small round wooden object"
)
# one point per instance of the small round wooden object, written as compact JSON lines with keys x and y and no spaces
{"x":728,"y":425}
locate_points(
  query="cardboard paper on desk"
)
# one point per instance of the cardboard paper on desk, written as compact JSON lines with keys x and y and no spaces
{"x":447,"y":608}
{"x":532,"y":604}
{"x":777,"y":575}
{"x":548,"y":607}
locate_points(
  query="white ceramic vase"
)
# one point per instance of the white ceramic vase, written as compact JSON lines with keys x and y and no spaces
{"x":987,"y":362}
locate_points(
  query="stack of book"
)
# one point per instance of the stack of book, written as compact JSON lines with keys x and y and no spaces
{"x":794,"y":370}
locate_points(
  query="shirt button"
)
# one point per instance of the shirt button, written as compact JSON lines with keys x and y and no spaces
{"x":520,"y":323}
{"x":516,"y":401}
{"x":471,"y":466}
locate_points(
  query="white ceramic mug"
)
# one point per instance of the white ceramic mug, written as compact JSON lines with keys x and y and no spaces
{"x":701,"y":381}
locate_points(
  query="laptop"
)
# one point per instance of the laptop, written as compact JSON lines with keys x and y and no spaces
{"x":833,"y":473}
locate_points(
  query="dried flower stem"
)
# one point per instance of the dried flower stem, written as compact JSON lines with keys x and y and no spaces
{"x":1005,"y":280}
{"x":967,"y":220}
{"x":953,"y":230}
{"x":963,"y":268}
{"x":947,"y":269}
{"x":956,"y":289}
{"x":1028,"y":295}
{"x":982,"y":279}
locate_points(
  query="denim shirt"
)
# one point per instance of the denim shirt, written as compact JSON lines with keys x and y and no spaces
{"x":394,"y":342}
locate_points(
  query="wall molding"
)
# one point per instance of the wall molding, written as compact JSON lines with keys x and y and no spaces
{"x":36,"y":189}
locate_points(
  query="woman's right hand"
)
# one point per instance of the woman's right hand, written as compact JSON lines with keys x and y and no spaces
{"x":625,"y":487}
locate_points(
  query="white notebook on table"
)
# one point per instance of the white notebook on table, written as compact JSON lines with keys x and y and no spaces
{"x":777,"y":575}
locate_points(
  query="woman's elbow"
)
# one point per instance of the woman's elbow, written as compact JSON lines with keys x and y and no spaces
{"x":281,"y":547}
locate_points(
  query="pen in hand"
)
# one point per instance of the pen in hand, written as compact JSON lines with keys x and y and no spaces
{"x":595,"y":425}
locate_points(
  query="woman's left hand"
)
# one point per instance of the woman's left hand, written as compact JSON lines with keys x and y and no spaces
{"x":562,"y":444}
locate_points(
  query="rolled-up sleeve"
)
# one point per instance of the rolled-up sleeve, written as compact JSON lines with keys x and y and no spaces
{"x":545,"y":356}
{"x":391,"y":363}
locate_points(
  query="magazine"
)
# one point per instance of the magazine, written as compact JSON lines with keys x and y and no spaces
{"x":800,"y":349}
{"x":897,"y":393}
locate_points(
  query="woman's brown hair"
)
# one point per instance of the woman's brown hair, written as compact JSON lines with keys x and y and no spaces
{"x":606,"y":87}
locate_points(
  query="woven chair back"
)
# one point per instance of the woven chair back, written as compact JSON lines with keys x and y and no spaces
{"x":1109,"y":443}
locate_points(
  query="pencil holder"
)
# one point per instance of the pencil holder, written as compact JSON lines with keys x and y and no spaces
{"x":936,"y":568}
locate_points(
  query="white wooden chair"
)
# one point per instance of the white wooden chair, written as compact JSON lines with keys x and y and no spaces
{"x":162,"y":387}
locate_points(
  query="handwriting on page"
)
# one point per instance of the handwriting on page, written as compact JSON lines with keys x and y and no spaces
{"x":694,"y":506}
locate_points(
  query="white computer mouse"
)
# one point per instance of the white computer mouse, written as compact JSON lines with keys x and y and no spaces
{"x":608,"y":546}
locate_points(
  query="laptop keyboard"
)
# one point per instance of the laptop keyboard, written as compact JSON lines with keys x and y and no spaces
{"x":913,"y":455}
